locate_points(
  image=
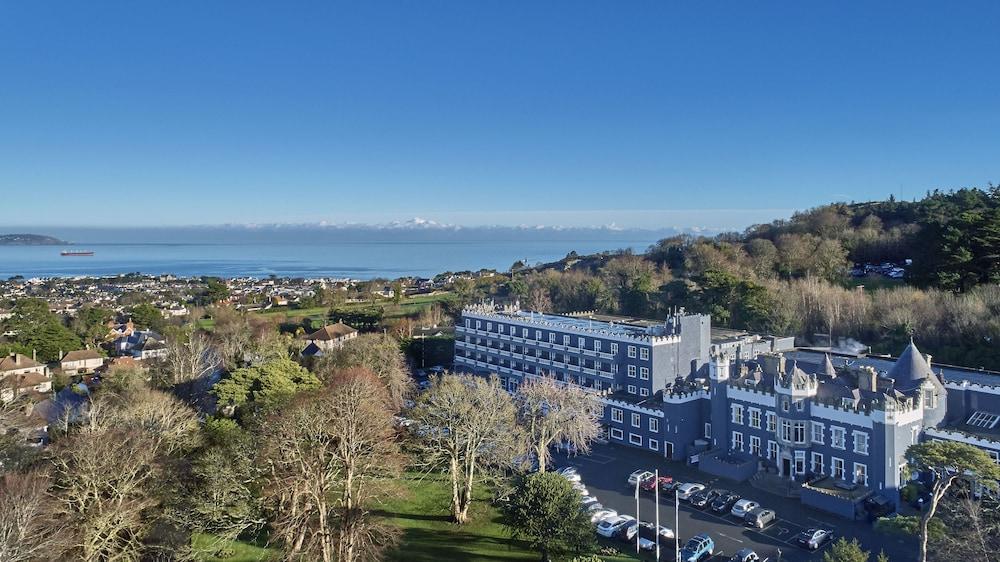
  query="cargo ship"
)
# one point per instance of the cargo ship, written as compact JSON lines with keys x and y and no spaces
{"x":76,"y":253}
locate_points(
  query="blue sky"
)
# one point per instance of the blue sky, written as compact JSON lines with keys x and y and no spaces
{"x":574,"y":113}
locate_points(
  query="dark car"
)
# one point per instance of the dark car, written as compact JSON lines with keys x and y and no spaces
{"x":877,"y":506}
{"x":705,"y":497}
{"x":814,"y":538}
{"x":725,"y":502}
{"x":650,"y":484}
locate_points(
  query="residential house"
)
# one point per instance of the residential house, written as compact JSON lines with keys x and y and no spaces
{"x":21,"y":375}
{"x":81,"y":362}
{"x":328,"y":338}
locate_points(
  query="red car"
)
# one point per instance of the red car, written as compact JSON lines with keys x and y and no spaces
{"x":650,"y":484}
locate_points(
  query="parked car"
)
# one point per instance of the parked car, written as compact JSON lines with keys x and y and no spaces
{"x":639,"y":476}
{"x":877,"y":506}
{"x":608,"y":527}
{"x":725,"y":502}
{"x":760,"y":517}
{"x":743,"y":507}
{"x":587,"y":500}
{"x":814,"y":538}
{"x":601,"y":514}
{"x":688,"y":489}
{"x":650,"y":530}
{"x":629,"y":532}
{"x":705,"y":497}
{"x":697,"y":548}
{"x":650,"y":484}
{"x":592,"y":507}
{"x":747,"y":555}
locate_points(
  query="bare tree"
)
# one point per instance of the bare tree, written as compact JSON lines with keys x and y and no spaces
{"x":469,"y":425}
{"x":330,"y":454}
{"x":190,"y":359}
{"x":26,"y":530}
{"x":379,"y":354}
{"x":551,"y":412}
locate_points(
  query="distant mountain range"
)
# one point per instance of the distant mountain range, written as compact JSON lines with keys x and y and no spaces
{"x":30,"y":240}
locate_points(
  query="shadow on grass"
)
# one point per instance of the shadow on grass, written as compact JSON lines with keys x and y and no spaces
{"x":413,"y":516}
{"x":430,"y":545}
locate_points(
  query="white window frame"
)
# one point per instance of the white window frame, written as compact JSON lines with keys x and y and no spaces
{"x":736,"y":413}
{"x":631,"y":389}
{"x":581,"y":342}
{"x":772,"y":450}
{"x":708,"y":430}
{"x":538,"y":335}
{"x":653,"y":444}
{"x":617,"y":415}
{"x":614,"y":368}
{"x":617,"y":434}
{"x":817,"y":467}
{"x":552,"y":337}
{"x":635,"y":439}
{"x":631,"y":371}
{"x":566,"y":340}
{"x":524,"y":333}
{"x":644,"y":373}
{"x":654,"y":425}
{"x":479,"y":325}
{"x":866,"y":441}
{"x":636,"y":420}
{"x":643,"y":391}
{"x":644,"y":353}
{"x":754,"y":417}
{"x":736,"y":441}
{"x":631,"y":352}
{"x":489,"y":326}
{"x":834,"y":461}
{"x":771,"y":419}
{"x":786,"y":431}
{"x":799,"y":462}
{"x":614,"y":348}
{"x":799,"y":432}
{"x":755,"y":445}
{"x":834,"y":432}
{"x":864,"y":471}
{"x":813,"y":434}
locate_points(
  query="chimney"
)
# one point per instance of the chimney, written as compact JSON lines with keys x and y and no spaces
{"x":34,"y":355}
{"x":927,"y":356}
{"x":15,"y":358}
{"x":868,"y":379}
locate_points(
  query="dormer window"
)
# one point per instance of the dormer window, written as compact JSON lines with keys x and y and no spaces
{"x":930,"y":399}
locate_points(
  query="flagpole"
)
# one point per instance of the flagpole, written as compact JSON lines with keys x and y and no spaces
{"x":656,"y":497}
{"x":677,"y":527}
{"x":637,"y":516}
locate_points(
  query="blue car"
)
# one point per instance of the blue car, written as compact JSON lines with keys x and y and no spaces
{"x":697,"y":548}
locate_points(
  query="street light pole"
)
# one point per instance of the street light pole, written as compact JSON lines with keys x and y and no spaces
{"x":637,"y":516}
{"x":677,"y":527}
{"x":656,"y":497}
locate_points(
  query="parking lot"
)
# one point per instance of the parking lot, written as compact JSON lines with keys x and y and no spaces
{"x":604,"y":473}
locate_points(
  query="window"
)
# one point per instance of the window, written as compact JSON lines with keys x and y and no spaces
{"x":552,"y":337}
{"x":860,"y":473}
{"x":581,"y":343}
{"x":538,"y":335}
{"x":817,"y":463}
{"x":861,"y":442}
{"x":644,"y":353}
{"x":631,"y":371}
{"x":737,"y":443}
{"x":631,"y":389}
{"x":635,"y":439}
{"x":644,"y":373}
{"x":930,"y":399}
{"x":755,"y":445}
{"x":800,"y":405}
{"x":995,"y":456}
{"x":617,"y":433}
{"x":654,"y":425}
{"x":566,"y":340}
{"x":478,"y":324}
{"x":616,"y":415}
{"x":644,"y":391}
{"x":784,"y":404}
{"x":786,"y":430}
{"x":468,"y":323}
{"x":771,"y":421}
{"x":708,"y":430}
{"x":817,"y":433}
{"x":614,"y":368}
{"x":800,"y":432}
{"x":837,"y":437}
{"x":654,"y":445}
{"x":597,"y":345}
{"x":631,"y":351}
{"x":500,"y":328}
{"x":755,"y":418}
{"x":524,"y":333}
{"x":636,"y":420}
{"x":772,"y":451}
{"x":983,"y":419}
{"x":489,"y":326}
{"x":800,"y":462}
{"x":837,"y":468}
{"x":614,"y":348}
{"x":737,"y":414}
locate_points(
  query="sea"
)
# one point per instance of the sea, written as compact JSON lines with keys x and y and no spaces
{"x":315,"y":255}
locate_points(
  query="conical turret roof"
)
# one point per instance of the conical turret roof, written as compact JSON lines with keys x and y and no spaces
{"x":911,"y":369}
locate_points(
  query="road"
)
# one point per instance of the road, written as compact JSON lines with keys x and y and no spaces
{"x":605,"y":471}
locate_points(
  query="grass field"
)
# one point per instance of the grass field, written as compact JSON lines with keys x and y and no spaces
{"x":428,"y":535}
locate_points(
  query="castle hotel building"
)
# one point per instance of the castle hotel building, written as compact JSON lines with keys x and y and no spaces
{"x":743,"y":406}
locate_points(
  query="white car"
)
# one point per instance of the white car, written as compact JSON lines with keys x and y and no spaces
{"x":608,"y":527}
{"x":587,"y":500}
{"x":688,"y":489}
{"x":639,"y":476}
{"x":600,"y":515}
{"x":742,"y":507}
{"x":590,"y":508}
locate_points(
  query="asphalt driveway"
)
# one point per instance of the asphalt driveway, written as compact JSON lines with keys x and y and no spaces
{"x":605,"y":472}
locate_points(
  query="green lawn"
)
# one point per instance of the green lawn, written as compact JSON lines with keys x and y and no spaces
{"x":241,"y":551}
{"x":428,"y":535}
